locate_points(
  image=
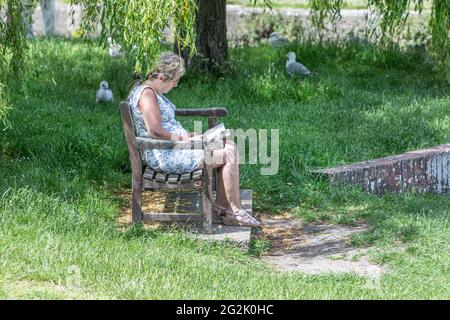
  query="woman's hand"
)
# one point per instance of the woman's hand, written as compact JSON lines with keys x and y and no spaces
{"x":196,"y":137}
{"x":181,"y":138}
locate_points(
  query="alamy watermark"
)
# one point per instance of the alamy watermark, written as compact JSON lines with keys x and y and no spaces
{"x":260,"y":149}
{"x":373,"y":281}
{"x":73,"y":277}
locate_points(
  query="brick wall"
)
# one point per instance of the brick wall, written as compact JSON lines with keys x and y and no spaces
{"x":426,"y":170}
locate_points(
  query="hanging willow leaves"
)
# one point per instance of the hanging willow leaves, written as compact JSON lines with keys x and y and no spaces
{"x":3,"y":64}
{"x":12,"y":46}
{"x":322,"y":9}
{"x":138,"y":25}
{"x":393,"y":15}
{"x":440,"y":33}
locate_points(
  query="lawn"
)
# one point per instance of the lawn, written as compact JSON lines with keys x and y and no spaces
{"x":64,"y":162}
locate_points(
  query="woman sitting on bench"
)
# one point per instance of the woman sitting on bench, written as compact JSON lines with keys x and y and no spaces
{"x":154,"y":116}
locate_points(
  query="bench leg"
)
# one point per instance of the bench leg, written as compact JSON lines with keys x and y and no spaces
{"x":207,"y":205}
{"x":136,"y":209}
{"x":214,"y":180}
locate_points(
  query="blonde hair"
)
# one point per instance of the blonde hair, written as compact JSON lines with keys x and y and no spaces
{"x":170,"y":66}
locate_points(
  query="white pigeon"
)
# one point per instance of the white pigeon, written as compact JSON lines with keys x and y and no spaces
{"x":114,"y":48}
{"x":275,"y":40}
{"x":295,"y":68}
{"x":104,"y":94}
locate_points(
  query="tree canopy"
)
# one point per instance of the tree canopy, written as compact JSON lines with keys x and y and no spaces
{"x":138,"y":26}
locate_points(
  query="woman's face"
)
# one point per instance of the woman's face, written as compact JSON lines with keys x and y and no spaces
{"x":167,"y":85}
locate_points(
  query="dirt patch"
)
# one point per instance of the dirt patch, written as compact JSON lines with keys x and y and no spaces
{"x":152,"y":201}
{"x":315,"y":248}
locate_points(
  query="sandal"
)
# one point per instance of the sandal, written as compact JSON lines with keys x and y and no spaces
{"x":220,"y":211}
{"x":240,"y":218}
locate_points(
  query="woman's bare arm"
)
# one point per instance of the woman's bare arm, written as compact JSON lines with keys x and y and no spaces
{"x":152,"y":117}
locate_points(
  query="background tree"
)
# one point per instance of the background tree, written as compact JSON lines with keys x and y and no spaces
{"x":211,"y":35}
{"x":211,"y":29}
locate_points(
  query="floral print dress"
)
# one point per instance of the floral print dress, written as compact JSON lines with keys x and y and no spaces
{"x":166,"y":160}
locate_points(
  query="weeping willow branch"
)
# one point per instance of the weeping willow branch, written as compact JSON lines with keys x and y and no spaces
{"x":439,"y":26}
{"x":322,"y":9}
{"x":3,"y":62}
{"x":12,"y":46}
{"x":393,"y":15}
{"x":138,"y":25}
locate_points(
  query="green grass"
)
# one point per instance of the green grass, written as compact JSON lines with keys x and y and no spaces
{"x":64,"y":159}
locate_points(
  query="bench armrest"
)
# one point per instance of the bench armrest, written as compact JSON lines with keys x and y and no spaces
{"x":150,"y":143}
{"x":207,"y":112}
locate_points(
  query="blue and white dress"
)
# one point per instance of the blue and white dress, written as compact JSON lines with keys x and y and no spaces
{"x":167,"y":160}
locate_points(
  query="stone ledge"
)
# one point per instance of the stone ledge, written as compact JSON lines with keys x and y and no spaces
{"x":426,"y":170}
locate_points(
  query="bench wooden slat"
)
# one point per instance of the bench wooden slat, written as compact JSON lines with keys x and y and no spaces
{"x":185,"y":177}
{"x":203,"y":112}
{"x":149,"y":216}
{"x":156,"y":185}
{"x":149,"y":143}
{"x":161,"y":177}
{"x":173,"y":178}
{"x":197,"y":175}
{"x":149,"y":174}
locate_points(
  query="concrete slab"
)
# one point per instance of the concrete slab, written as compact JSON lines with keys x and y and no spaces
{"x":238,"y":235}
{"x":316,"y":248}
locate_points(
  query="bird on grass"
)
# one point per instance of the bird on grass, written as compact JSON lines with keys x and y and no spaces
{"x":275,"y":40}
{"x":104,"y":94}
{"x":295,"y":68}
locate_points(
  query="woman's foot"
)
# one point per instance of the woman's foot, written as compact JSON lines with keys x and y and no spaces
{"x":219,"y":210}
{"x":240,"y":218}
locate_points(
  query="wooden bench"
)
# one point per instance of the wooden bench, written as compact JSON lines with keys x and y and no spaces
{"x":146,"y":178}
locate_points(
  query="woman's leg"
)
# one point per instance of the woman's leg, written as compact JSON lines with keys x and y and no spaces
{"x":227,"y":163}
{"x":221,"y":197}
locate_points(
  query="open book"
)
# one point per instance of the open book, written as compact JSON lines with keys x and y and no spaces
{"x":217,"y":133}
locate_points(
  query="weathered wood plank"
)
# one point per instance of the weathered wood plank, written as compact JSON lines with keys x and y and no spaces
{"x":150,"y":143}
{"x":185,"y":177}
{"x":149,"y":173}
{"x":173,"y":178}
{"x":174,"y":217}
{"x":204,"y":112}
{"x":197,"y":175}
{"x":156,"y":185}
{"x":161,"y":177}
{"x":135,"y":160}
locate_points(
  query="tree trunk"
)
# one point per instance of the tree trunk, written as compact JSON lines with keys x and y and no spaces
{"x":211,"y":39}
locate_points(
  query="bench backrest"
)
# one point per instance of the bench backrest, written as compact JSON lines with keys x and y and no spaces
{"x":130,"y":137}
